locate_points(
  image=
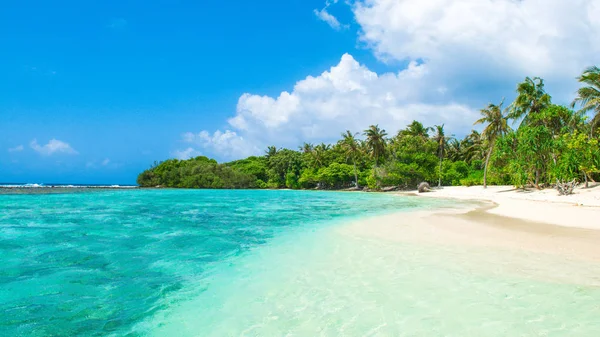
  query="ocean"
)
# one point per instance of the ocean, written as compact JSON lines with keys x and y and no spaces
{"x":259,"y":263}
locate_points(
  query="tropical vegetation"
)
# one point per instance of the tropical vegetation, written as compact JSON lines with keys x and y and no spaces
{"x":530,"y":142}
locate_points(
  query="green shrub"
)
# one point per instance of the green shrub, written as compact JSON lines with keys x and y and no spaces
{"x":291,"y":181}
{"x":336,"y":176}
{"x":474,"y":178}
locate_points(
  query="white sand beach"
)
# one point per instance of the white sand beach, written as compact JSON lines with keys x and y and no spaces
{"x":582,"y":209}
{"x":500,"y":217}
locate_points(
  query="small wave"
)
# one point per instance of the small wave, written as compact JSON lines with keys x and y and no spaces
{"x":20,"y":186}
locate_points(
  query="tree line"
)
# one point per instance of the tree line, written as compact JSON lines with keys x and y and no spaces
{"x":529,"y":142}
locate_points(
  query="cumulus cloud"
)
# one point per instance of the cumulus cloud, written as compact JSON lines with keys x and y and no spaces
{"x":52,"y":147}
{"x":226,"y":144}
{"x":469,"y":43}
{"x":17,"y":148}
{"x":347,"y":96}
{"x":186,"y":154}
{"x":455,"y":57}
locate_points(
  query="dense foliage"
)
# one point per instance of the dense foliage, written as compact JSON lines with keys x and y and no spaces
{"x":550,"y":143}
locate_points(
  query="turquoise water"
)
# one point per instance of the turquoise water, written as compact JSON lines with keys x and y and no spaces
{"x":266,"y":263}
{"x":99,"y":262}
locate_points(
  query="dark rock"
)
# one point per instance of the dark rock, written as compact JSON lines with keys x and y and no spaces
{"x":424,"y":187}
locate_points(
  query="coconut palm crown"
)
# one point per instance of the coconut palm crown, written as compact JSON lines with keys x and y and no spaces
{"x":376,"y":142}
{"x":588,"y":97}
{"x":496,"y":125}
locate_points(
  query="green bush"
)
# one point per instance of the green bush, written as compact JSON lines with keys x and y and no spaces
{"x":371,"y":181}
{"x":308,"y":179}
{"x":477,"y":164}
{"x":260,"y":184}
{"x":454,"y":172}
{"x":474,"y":178}
{"x":291,"y":181}
{"x":336,"y":176}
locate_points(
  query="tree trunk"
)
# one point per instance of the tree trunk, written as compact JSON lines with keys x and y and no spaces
{"x":586,"y":180}
{"x":487,"y":161}
{"x":537,"y":179}
{"x":440,"y":175}
{"x":355,"y":174}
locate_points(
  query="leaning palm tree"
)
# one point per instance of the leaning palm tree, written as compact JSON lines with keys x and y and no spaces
{"x":589,"y":97}
{"x":352,"y":150}
{"x":376,"y":142}
{"x":441,"y":139}
{"x":497,"y":126}
{"x":531,"y":99}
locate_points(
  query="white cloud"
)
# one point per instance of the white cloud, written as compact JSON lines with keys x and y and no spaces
{"x":17,"y":148}
{"x":331,"y":20}
{"x":469,"y":42}
{"x":226,"y":144}
{"x":348,"y":96}
{"x":53,"y":146}
{"x":186,"y":154}
{"x":461,"y":55}
{"x":105,"y":162}
{"x":188,"y":137}
{"x":326,"y":17}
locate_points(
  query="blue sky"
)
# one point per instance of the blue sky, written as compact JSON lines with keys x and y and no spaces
{"x":94,"y":92}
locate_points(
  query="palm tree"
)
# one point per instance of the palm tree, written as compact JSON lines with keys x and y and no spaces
{"x":351,"y":148}
{"x":417,"y":129}
{"x":270,"y":152}
{"x":306,"y":148}
{"x":497,"y":126}
{"x":589,"y":97}
{"x":319,"y":152}
{"x":531,"y":99}
{"x":441,"y":139}
{"x":473,"y":147}
{"x":455,"y":150}
{"x":376,"y":142}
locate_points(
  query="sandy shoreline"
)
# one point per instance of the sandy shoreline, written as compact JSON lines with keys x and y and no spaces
{"x":499,"y":218}
{"x":580,"y":210}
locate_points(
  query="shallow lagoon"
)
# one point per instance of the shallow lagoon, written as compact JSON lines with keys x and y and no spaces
{"x":261,"y":263}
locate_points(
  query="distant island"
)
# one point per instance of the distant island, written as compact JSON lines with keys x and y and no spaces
{"x":530,"y":142}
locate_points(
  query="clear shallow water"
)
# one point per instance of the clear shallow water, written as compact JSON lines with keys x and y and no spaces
{"x":265,"y":263}
{"x":96,"y":263}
